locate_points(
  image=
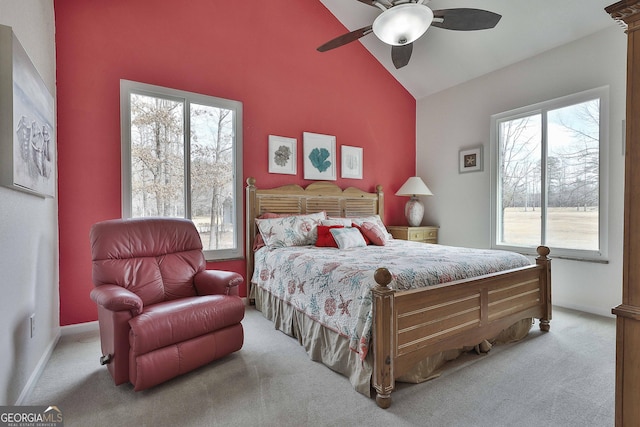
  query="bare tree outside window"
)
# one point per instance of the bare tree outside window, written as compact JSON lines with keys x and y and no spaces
{"x":549,"y":177}
{"x":211,"y":173}
{"x":573,"y":194}
{"x":157,"y":157}
{"x":520,"y":142}
{"x":181,"y":159}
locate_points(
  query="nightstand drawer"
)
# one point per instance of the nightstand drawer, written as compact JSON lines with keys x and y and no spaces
{"x":423,"y":234}
{"x":426,"y":234}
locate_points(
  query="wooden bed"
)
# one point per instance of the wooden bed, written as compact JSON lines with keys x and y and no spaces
{"x":411,"y":325}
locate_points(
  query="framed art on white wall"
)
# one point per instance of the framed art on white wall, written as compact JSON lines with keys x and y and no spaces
{"x":470,"y":160}
{"x":319,"y":156}
{"x":283,"y":155}
{"x":27,"y":133}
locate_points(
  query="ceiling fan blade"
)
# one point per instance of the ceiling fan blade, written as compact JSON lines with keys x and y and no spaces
{"x":465,"y":19}
{"x":369,"y":2}
{"x":400,"y":55}
{"x":345,"y":38}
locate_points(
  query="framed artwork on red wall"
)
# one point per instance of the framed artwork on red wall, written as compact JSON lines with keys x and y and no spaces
{"x":351,"y":162}
{"x":283,"y":155}
{"x":319,"y":156}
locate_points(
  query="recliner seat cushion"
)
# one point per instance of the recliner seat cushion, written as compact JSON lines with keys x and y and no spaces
{"x":172,"y":322}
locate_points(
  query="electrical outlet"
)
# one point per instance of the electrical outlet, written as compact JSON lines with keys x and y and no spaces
{"x":32,"y":324}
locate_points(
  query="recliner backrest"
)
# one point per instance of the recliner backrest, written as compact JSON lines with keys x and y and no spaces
{"x":156,"y":258}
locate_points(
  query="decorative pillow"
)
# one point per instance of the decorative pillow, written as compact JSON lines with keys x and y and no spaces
{"x":345,"y":222}
{"x":259,"y":241}
{"x":374,"y":219}
{"x":348,"y":237}
{"x":373,"y":232}
{"x":366,"y":239}
{"x":325,"y":238}
{"x":297,"y":230}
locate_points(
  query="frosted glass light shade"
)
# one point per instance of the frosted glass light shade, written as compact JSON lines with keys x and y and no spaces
{"x":402,"y":24}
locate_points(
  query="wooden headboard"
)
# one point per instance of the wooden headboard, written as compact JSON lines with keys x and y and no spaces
{"x":316,"y":197}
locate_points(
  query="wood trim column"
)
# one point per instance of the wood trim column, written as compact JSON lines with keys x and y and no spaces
{"x":627,"y":12}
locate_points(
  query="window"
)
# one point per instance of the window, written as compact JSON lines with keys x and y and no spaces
{"x":549,"y":174}
{"x":181,"y":157}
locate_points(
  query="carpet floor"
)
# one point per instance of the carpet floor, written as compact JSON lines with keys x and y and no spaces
{"x":565,"y":377}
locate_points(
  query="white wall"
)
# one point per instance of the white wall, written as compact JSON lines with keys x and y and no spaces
{"x":460,"y":117}
{"x":28,"y":233}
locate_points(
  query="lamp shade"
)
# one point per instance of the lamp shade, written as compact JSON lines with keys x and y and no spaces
{"x":402,"y":24}
{"x":414,"y":186}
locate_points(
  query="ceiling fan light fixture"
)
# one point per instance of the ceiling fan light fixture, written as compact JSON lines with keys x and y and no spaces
{"x":402,"y":24}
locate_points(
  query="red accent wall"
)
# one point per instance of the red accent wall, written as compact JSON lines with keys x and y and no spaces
{"x":262,"y":53}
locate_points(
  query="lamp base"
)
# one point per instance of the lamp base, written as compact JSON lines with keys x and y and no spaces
{"x":414,"y":211}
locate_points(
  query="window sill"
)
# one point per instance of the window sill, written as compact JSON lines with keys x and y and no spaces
{"x":554,"y":255}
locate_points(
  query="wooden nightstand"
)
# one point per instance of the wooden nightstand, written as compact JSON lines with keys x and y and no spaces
{"x":426,"y":234}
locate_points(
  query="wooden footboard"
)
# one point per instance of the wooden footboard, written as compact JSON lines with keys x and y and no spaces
{"x":411,"y":325}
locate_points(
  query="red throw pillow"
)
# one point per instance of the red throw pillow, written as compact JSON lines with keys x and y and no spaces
{"x":364,"y":235}
{"x":325,"y":238}
{"x":373,"y":232}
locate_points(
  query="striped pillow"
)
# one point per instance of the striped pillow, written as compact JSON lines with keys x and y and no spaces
{"x":373,"y":233}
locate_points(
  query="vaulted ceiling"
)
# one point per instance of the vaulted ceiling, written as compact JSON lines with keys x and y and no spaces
{"x":444,"y":58}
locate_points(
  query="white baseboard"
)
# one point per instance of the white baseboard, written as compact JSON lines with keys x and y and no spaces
{"x":37,"y":372}
{"x":592,"y":310}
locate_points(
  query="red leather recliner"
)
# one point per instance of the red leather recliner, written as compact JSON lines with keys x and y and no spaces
{"x":161,"y":314}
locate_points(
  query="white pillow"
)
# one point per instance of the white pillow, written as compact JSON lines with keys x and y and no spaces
{"x":297,"y":230}
{"x":345,"y":222}
{"x":348,"y":237}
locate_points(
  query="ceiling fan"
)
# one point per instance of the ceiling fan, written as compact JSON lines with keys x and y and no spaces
{"x":404,"y":21}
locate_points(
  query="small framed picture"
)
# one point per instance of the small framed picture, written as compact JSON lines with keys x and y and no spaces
{"x":283,"y":155}
{"x":351,"y":162}
{"x":470,"y":160}
{"x":319,"y":156}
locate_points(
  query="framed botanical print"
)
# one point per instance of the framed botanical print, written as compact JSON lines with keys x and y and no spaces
{"x":319,"y":156}
{"x":351,"y":162}
{"x":283,"y":155}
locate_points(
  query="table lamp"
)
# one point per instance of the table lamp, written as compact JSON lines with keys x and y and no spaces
{"x":414,"y":209}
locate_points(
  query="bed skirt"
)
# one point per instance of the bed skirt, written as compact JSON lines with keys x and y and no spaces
{"x":332,"y":349}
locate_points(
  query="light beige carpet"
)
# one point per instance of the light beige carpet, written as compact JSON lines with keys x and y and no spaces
{"x":561,"y":378}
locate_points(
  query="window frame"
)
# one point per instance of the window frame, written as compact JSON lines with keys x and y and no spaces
{"x":601,"y":93}
{"x":128,"y":87}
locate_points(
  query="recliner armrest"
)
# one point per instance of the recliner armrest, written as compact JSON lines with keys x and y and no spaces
{"x":117,"y":298}
{"x":217,"y":282}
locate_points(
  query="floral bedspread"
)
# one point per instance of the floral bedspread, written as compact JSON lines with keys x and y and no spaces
{"x":333,"y":286}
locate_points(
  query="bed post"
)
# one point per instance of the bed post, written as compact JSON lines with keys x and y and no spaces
{"x":250,"y":234}
{"x":545,"y":262}
{"x":383,"y":378}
